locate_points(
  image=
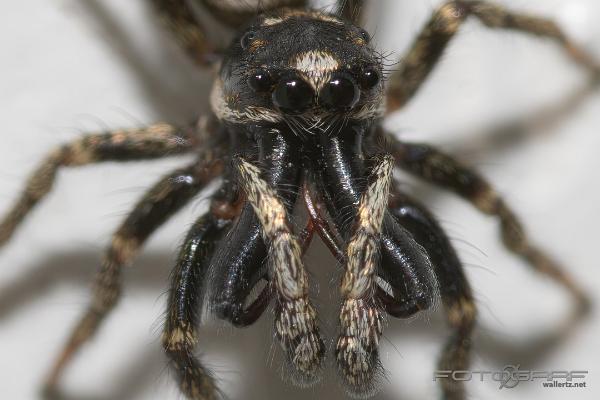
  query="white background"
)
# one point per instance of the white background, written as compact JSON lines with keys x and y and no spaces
{"x":73,"y":66}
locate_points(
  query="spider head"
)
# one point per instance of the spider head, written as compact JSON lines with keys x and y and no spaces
{"x":299,"y":63}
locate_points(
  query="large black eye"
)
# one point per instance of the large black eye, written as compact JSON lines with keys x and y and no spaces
{"x":260,"y":81}
{"x":368,"y":78}
{"x":247,"y":39}
{"x":340,"y":93}
{"x":293,"y":95}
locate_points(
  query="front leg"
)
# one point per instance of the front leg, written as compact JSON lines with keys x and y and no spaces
{"x":160,"y":203}
{"x":443,"y":26}
{"x":185,"y":304}
{"x":455,"y":290}
{"x":436,"y":167}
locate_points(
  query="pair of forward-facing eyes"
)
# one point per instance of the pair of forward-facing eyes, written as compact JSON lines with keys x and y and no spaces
{"x":292,"y":94}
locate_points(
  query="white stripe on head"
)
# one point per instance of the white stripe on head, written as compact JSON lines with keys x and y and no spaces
{"x":316,"y":65}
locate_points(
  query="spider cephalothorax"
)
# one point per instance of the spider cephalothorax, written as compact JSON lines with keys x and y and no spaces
{"x":297,"y":107}
{"x":268,"y":75}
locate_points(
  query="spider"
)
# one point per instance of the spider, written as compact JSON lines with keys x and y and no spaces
{"x":299,"y":121}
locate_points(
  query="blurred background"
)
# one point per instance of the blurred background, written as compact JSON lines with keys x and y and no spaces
{"x":74,"y":66}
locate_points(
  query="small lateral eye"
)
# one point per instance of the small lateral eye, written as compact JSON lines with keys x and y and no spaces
{"x":365,"y":35}
{"x":260,"y":81}
{"x":247,"y":39}
{"x":369,"y":78}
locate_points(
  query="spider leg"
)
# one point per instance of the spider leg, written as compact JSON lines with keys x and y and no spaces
{"x":454,"y":288}
{"x":352,"y":10}
{"x":295,"y":322}
{"x":184,"y":306}
{"x":434,"y":166}
{"x":445,"y":23}
{"x":179,"y":18}
{"x":155,"y":141}
{"x":236,"y":14}
{"x":160,"y":203}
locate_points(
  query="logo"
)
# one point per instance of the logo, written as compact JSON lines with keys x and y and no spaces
{"x":511,"y":375}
